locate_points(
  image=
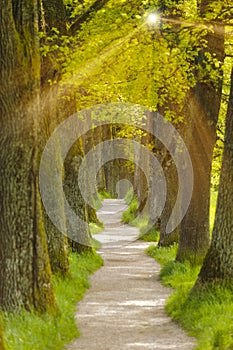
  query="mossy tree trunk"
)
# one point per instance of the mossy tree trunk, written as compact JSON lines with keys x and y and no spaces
{"x":174,"y":11}
{"x":218,"y":264}
{"x":107,"y":134}
{"x":167,"y":239}
{"x":88,"y":146}
{"x":53,"y":15}
{"x":24,"y":262}
{"x":80,"y":241}
{"x":98,"y":138}
{"x":141,"y":168}
{"x":201,"y":111}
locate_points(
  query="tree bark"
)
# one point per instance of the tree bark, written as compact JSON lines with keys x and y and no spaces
{"x":24,"y":262}
{"x":81,"y":239}
{"x":98,"y":138}
{"x":218,"y":264}
{"x":96,"y":6}
{"x":167,"y":239}
{"x":54,"y":16}
{"x":201,"y":111}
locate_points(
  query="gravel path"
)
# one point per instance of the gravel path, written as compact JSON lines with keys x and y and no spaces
{"x":124,"y":308}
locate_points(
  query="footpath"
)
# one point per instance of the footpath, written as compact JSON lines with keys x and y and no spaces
{"x":124,"y":308}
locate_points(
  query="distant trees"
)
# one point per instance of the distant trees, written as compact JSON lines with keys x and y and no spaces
{"x":175,"y":67}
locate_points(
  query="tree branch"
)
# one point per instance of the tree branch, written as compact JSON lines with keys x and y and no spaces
{"x":98,"y":4}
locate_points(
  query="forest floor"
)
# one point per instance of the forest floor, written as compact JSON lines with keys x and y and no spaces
{"x":124,"y":308}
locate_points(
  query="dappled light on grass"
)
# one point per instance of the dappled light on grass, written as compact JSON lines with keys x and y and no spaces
{"x":26,"y":331}
{"x":207,"y":313}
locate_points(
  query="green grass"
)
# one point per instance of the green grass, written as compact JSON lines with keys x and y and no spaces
{"x":94,"y":228}
{"x":97,"y":200}
{"x":141,"y":222}
{"x":130,"y":214}
{"x":206,"y":314}
{"x":105,"y":195}
{"x":151,"y":235}
{"x":162,"y":255}
{"x":29,"y":331}
{"x":129,"y":196}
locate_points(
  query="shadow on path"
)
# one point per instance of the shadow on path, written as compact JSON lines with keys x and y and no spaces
{"x":124,"y":309}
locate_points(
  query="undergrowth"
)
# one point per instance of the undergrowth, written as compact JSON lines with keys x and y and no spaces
{"x":132,"y":217}
{"x":29,"y":331}
{"x":105,"y":195}
{"x":130,"y":214}
{"x":95,"y":228}
{"x":149,"y":235}
{"x":206,"y":314}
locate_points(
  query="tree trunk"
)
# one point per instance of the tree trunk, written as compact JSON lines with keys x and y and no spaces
{"x":53,"y":14}
{"x":218,"y":264}
{"x":57,"y":242}
{"x":141,"y":166}
{"x":167,"y":239}
{"x":107,"y":134}
{"x":201,"y":113}
{"x":81,"y":239}
{"x":97,"y":138}
{"x":88,"y":146}
{"x":24,"y":262}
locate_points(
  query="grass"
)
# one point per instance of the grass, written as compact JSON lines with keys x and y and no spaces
{"x":206,"y":314}
{"x":130,"y":214}
{"x":130,"y":217}
{"x":105,"y":195}
{"x":94,"y":228}
{"x":162,"y":255}
{"x":129,"y":196}
{"x":29,"y":331}
{"x":151,"y":235}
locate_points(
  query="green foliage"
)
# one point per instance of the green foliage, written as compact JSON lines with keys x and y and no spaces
{"x":218,"y":10}
{"x":213,"y":203}
{"x":77,"y":8}
{"x":205,"y":313}
{"x":26,"y":331}
{"x":119,"y":54}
